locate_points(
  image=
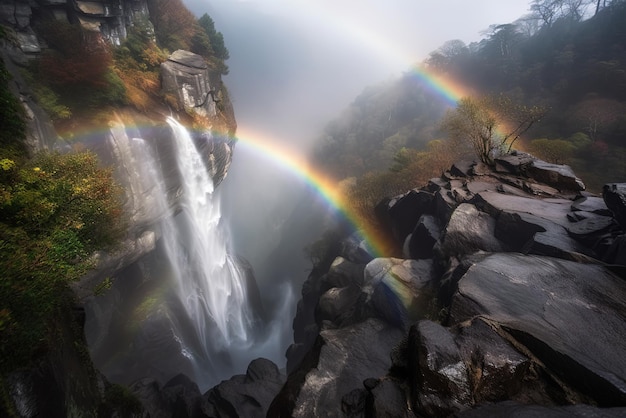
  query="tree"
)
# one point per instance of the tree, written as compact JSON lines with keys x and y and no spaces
{"x":216,"y":38}
{"x":491,"y":124}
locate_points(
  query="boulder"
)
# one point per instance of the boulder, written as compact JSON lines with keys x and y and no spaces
{"x":399,"y":291}
{"x":337,"y":304}
{"x":427,"y":232}
{"x":248,"y":395}
{"x":614,"y":195}
{"x":342,"y":273}
{"x":439,"y":377}
{"x":468,"y":231}
{"x":571,"y":316}
{"x":593,"y":204}
{"x":560,"y":177}
{"x":406,"y":210}
{"x":179,"y":397}
{"x":339,"y":362}
{"x":387,"y":399}
{"x":530,"y":225}
{"x":185,"y":76}
{"x":497,"y":370}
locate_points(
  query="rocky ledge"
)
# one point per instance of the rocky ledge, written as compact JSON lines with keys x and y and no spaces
{"x":509,"y":299}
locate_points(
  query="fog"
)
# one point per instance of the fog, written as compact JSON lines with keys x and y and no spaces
{"x":294,"y":65}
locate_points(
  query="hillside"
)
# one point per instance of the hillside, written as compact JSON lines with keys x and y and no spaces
{"x":571,"y":65}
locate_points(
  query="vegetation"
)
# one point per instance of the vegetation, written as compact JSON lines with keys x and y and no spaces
{"x":490,"y":124}
{"x":56,"y":210}
{"x":565,"y":56}
{"x":177,"y":28}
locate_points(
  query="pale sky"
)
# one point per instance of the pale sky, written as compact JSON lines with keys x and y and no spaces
{"x":320,"y":54}
{"x":294,"y":66}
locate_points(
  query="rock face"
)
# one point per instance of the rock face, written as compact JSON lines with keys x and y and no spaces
{"x":116,"y":144}
{"x":504,"y":297}
{"x":112,"y":19}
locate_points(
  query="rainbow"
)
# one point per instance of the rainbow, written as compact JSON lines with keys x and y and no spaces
{"x":448,"y":89}
{"x":324,"y":186}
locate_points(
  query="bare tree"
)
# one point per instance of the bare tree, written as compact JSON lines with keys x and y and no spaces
{"x":491,"y":124}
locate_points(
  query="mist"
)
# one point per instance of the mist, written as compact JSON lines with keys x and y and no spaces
{"x":294,"y":66}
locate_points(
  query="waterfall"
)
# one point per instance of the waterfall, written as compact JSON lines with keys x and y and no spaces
{"x":184,"y":308}
{"x":210,"y":285}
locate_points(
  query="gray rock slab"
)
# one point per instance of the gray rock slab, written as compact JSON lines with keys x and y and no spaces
{"x":517,"y":410}
{"x":470,"y":230}
{"x":572,"y":316}
{"x":398,"y":290}
{"x":347,"y":357}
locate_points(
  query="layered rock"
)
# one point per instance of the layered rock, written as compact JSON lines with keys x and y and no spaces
{"x":504,"y":296}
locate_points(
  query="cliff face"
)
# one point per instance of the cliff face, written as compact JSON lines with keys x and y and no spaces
{"x":509,"y":291}
{"x":193,"y":93}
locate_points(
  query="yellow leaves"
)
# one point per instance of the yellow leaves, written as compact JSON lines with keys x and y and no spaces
{"x":7,"y":164}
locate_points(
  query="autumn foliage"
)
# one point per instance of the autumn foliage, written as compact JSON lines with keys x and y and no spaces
{"x":76,"y":58}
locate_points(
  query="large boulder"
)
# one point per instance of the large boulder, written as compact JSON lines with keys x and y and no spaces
{"x":614,"y":195}
{"x":338,"y":363}
{"x":404,"y":211}
{"x":440,"y":380}
{"x":185,"y":75}
{"x":468,"y":231}
{"x":569,"y":315}
{"x":248,"y":395}
{"x":399,"y":291}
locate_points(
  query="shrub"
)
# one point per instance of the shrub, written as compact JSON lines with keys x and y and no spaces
{"x":55,"y":211}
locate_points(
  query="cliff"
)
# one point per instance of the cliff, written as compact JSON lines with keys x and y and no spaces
{"x":509,"y":298}
{"x":190,"y":89}
{"x":64,"y":382}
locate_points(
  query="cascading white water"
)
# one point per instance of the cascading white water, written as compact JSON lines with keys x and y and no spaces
{"x":211,"y":286}
{"x":184,"y":307}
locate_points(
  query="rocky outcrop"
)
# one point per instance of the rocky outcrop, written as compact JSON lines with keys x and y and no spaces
{"x":504,"y":297}
{"x":111,"y":18}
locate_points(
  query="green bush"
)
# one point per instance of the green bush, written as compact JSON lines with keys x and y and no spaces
{"x":55,"y":211}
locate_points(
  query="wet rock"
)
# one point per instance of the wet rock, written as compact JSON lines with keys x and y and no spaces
{"x":569,"y":315}
{"x":560,"y":177}
{"x":356,"y":249}
{"x":614,"y":195}
{"x":183,"y":396}
{"x":426,"y":234}
{"x":439,"y":377}
{"x":248,"y":395}
{"x":353,"y":403}
{"x":339,"y":362}
{"x":514,"y":163}
{"x":337,"y":303}
{"x":462,"y":168}
{"x":444,"y":204}
{"x":616,"y":253}
{"x":398,"y":290}
{"x":405,"y":212}
{"x":591,"y":204}
{"x":342,"y":273}
{"x":515,"y":409}
{"x":468,"y":231}
{"x":387,"y":399}
{"x":528,"y":225}
{"x":436,"y":184}
{"x":496,"y":369}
